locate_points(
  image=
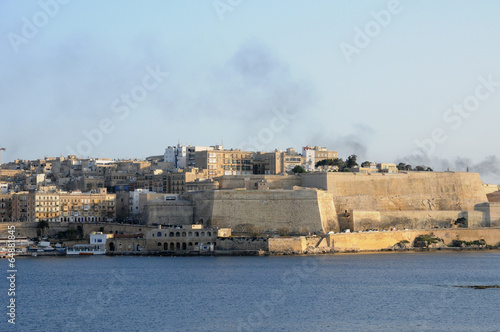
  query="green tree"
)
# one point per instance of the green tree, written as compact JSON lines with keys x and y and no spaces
{"x":366,"y":164}
{"x":351,"y":161}
{"x":325,"y":162}
{"x":299,"y":169}
{"x":42,"y":225}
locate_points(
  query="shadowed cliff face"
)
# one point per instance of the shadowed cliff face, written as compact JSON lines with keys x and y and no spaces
{"x":401,"y":192}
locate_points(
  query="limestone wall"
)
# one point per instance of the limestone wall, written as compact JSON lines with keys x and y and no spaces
{"x":494,"y":214}
{"x":170,"y":213}
{"x":380,"y":220}
{"x":275,"y":182}
{"x":25,"y":229}
{"x":294,"y":210}
{"x":400,"y":192}
{"x":373,"y":241}
{"x":294,"y":244}
{"x":242,"y":244}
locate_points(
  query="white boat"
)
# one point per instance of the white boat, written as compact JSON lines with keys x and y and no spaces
{"x":86,"y":249}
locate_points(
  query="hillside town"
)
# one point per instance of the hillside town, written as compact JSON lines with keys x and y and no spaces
{"x":195,"y":199}
{"x":61,"y":189}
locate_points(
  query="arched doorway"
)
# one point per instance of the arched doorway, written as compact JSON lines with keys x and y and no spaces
{"x":111,"y":246}
{"x":184,"y":246}
{"x":178,"y":246}
{"x":172,"y":246}
{"x":165,"y":246}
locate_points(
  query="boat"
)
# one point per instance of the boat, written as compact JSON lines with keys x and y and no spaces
{"x":86,"y":250}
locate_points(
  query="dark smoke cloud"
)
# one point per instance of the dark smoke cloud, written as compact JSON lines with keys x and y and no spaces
{"x":348,"y":144}
{"x":489,"y":168}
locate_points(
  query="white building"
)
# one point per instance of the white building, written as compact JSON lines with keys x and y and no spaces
{"x":4,"y":188}
{"x":310,"y":159}
{"x":135,"y":200}
{"x":99,"y":239}
{"x":182,"y":156}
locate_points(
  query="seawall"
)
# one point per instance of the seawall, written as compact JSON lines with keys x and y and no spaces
{"x":376,"y":241}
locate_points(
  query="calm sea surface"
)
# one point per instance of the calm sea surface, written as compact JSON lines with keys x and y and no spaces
{"x":342,"y":292}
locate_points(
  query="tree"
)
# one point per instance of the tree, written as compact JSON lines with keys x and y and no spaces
{"x":298,"y":169}
{"x":325,"y":162}
{"x":351,"y":161}
{"x":42,"y":224}
{"x":404,"y":167}
{"x":366,"y":164}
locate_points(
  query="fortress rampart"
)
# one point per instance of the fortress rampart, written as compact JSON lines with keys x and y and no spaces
{"x":412,"y":191}
{"x":305,"y":210}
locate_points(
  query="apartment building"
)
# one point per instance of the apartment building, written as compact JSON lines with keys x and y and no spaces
{"x":220,"y":162}
{"x":5,"y":207}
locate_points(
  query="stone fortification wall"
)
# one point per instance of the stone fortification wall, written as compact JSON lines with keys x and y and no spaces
{"x":275,"y":182}
{"x":294,"y":210}
{"x":494,"y":197}
{"x":242,"y":244}
{"x":491,"y":213}
{"x":169,"y":213}
{"x":28,"y":229}
{"x":417,"y":191}
{"x":383,"y":240}
{"x":293,"y":244}
{"x":364,"y":220}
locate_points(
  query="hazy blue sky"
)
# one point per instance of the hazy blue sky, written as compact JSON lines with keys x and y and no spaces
{"x":374,"y":78}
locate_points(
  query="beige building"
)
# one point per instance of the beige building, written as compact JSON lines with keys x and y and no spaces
{"x":225,"y":162}
{"x":87,"y":207}
{"x":269,"y":163}
{"x":290,"y":159}
{"x":23,"y":207}
{"x":5,"y":207}
{"x":175,"y":183}
{"x":387,"y":168}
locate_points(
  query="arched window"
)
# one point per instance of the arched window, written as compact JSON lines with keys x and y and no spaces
{"x":159,"y":244}
{"x":172,"y":246}
{"x":177,"y":234}
{"x":171,"y":234}
{"x":190,"y":244}
{"x":158,"y":234}
{"x":209,"y":234}
{"x":178,"y":246}
{"x":202,"y":233}
{"x":165,"y":246}
{"x":190,"y":234}
{"x":196,"y":234}
{"x":184,"y":234}
{"x":196,"y":243}
{"x":184,"y":246}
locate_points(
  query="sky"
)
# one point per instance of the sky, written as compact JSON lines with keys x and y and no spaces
{"x":390,"y":81}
